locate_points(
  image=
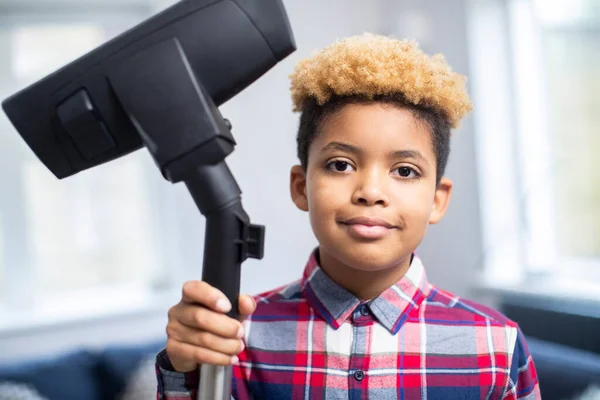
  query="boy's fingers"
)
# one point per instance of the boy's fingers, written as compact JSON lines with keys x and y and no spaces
{"x":196,"y":317}
{"x":199,"y":292}
{"x":182,"y":355}
{"x":246,"y":305}
{"x":210,"y":341}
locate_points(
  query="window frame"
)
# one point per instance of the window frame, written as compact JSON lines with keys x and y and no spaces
{"x":516,"y":259}
{"x":20,"y":308}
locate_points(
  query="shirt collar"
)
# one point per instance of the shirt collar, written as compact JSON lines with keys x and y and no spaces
{"x":391,"y":308}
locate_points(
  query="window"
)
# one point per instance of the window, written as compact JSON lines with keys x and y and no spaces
{"x":571,"y":56}
{"x":536,"y":91}
{"x":90,"y":236}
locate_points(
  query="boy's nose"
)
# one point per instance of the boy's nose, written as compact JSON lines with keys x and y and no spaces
{"x":370,"y":192}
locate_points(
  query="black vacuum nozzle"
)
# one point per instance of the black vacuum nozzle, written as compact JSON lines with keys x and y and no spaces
{"x":75,"y":118}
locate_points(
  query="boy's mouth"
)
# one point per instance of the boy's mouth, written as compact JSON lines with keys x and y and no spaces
{"x":368,"y":227}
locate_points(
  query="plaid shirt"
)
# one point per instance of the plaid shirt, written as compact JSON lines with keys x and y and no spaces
{"x":314,"y":340}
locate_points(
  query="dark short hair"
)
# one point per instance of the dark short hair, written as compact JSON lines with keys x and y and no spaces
{"x":313,"y":115}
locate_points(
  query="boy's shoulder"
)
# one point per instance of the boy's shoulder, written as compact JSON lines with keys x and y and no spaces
{"x":456,"y":309}
{"x":280,"y":304}
{"x":288,"y":292}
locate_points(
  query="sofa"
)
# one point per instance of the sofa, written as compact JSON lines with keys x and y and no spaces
{"x":564,"y":372}
{"x":108,"y":374}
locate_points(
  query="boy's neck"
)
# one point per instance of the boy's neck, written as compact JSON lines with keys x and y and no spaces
{"x":365,"y":285}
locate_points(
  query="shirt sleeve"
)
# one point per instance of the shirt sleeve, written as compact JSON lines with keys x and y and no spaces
{"x":523,"y":382}
{"x":174,"y":385}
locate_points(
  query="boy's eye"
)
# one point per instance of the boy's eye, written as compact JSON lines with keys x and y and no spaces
{"x":407,"y":172}
{"x":339,"y":166}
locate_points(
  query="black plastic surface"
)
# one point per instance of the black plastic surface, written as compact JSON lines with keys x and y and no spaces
{"x":225,"y":48}
{"x":229,"y":237}
{"x":80,"y":120}
{"x":178,"y":122}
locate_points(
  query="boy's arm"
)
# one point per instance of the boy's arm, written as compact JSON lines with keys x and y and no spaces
{"x":174,"y":385}
{"x":523,"y":382}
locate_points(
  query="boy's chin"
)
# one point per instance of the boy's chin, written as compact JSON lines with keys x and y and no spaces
{"x":372,"y":258}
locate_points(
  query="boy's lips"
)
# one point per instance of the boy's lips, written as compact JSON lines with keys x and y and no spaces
{"x":368,"y":227}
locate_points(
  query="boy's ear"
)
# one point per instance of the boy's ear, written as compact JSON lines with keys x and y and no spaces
{"x":441,"y":201}
{"x":298,"y":187}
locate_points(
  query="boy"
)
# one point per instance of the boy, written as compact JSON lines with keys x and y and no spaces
{"x":363,"y":322}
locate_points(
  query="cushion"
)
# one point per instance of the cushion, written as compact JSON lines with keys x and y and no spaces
{"x":591,"y":393}
{"x":18,"y":391}
{"x":71,"y":376}
{"x":117,"y":364}
{"x":142,"y":384}
{"x":563,"y":372}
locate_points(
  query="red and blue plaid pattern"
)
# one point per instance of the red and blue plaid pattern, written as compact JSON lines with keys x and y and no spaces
{"x":314,"y":340}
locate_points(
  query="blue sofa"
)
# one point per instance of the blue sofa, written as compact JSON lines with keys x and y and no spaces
{"x":82,"y":374}
{"x":564,"y":372}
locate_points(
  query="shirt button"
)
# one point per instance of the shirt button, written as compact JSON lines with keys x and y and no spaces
{"x":364,"y":310}
{"x":359,"y":375}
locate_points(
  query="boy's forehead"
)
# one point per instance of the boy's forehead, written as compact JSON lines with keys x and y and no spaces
{"x":374,"y":127}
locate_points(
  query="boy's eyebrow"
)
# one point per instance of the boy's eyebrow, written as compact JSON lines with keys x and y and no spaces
{"x":358,"y":151}
{"x":342,"y":147}
{"x":409,"y":154}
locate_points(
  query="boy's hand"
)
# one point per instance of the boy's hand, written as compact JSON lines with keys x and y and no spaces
{"x":199,"y":332}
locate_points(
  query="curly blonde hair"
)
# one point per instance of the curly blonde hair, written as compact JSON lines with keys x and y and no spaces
{"x":371,"y":65}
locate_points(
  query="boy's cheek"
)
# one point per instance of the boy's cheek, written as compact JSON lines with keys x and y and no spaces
{"x":330,"y":190}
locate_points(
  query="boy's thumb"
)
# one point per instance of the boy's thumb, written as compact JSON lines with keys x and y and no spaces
{"x":246,"y":306}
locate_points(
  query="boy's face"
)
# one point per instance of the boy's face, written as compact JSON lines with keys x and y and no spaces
{"x":370,"y":186}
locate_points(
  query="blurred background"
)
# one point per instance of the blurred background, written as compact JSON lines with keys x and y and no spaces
{"x":90,"y":265}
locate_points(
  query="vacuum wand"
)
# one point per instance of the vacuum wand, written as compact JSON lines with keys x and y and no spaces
{"x":229,"y":240}
{"x":194,"y":152}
